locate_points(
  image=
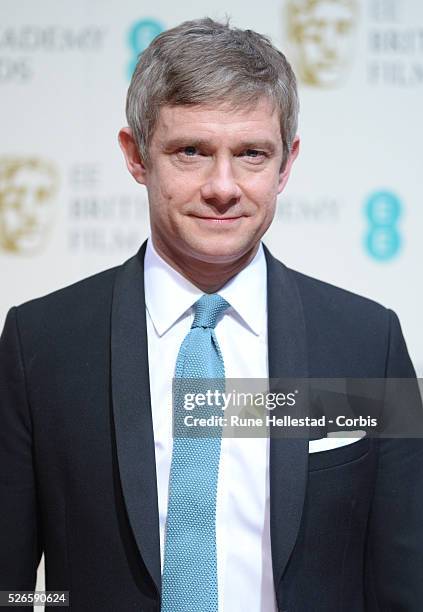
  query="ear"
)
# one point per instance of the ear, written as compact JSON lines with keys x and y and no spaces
{"x":284,"y":175}
{"x":133,"y":160}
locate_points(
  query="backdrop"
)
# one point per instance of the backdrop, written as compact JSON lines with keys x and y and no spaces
{"x":351,"y":214}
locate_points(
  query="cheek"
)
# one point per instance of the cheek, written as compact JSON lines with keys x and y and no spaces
{"x":160,"y":194}
{"x":262,"y":189}
{"x":173,"y":189}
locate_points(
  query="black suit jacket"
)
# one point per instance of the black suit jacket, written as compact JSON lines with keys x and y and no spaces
{"x":77,"y":467}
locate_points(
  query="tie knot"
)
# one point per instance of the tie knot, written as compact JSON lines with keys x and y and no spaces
{"x":208,"y":309}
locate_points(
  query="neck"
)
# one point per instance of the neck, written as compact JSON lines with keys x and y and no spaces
{"x":207,"y":276}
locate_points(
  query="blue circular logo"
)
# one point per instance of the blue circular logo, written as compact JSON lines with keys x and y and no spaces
{"x":383,"y":210}
{"x":139,"y":37}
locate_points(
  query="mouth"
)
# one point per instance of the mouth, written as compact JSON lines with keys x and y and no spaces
{"x":222,"y":221}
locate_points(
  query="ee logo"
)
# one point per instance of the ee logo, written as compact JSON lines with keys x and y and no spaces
{"x":383,"y":240}
{"x":140,"y":36}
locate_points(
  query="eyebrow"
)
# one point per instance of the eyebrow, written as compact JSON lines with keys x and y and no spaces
{"x":186,"y":141}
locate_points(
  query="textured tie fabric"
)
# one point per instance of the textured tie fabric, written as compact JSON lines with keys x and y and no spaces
{"x":189,"y":581}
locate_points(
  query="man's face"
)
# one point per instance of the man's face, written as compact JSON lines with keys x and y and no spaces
{"x":213,"y":178}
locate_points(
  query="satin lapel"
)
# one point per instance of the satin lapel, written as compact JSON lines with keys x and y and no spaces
{"x":288,"y":463}
{"x":132,"y":411}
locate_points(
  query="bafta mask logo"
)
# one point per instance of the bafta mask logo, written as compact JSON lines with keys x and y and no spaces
{"x":27,"y":205}
{"x":321,"y":35}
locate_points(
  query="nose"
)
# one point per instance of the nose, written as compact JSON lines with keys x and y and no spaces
{"x":220,"y":188}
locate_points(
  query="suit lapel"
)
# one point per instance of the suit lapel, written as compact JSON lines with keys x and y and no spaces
{"x":132,"y":411}
{"x":288,"y":463}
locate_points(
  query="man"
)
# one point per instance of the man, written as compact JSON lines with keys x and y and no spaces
{"x":130,"y":519}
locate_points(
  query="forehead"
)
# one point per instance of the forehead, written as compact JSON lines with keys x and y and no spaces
{"x":219,"y":121}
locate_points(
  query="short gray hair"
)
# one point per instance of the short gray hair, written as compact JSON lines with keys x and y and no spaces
{"x":202,"y":62}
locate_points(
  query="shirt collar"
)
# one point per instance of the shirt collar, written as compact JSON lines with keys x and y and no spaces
{"x":169,"y":295}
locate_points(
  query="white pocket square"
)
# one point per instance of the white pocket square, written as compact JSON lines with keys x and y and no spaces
{"x":335,"y":440}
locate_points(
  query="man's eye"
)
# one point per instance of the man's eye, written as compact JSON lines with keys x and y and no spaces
{"x":189,"y":151}
{"x":253,"y":153}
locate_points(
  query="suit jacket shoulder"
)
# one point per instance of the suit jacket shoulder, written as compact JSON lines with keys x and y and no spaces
{"x":71,"y":306}
{"x":347,"y":335}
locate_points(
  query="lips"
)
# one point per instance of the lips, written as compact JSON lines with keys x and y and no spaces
{"x":219,"y":218}
{"x":212,"y":218}
{"x":222,"y":221}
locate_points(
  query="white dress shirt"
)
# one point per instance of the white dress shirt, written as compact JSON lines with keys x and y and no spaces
{"x":244,"y":566}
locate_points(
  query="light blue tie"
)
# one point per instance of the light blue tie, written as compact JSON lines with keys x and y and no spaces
{"x":189,"y":581}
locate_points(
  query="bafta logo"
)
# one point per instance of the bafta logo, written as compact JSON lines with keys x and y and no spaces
{"x":27,"y":189}
{"x":321,"y":37}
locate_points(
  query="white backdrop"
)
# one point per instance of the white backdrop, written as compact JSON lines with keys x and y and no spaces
{"x":351,"y":214}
